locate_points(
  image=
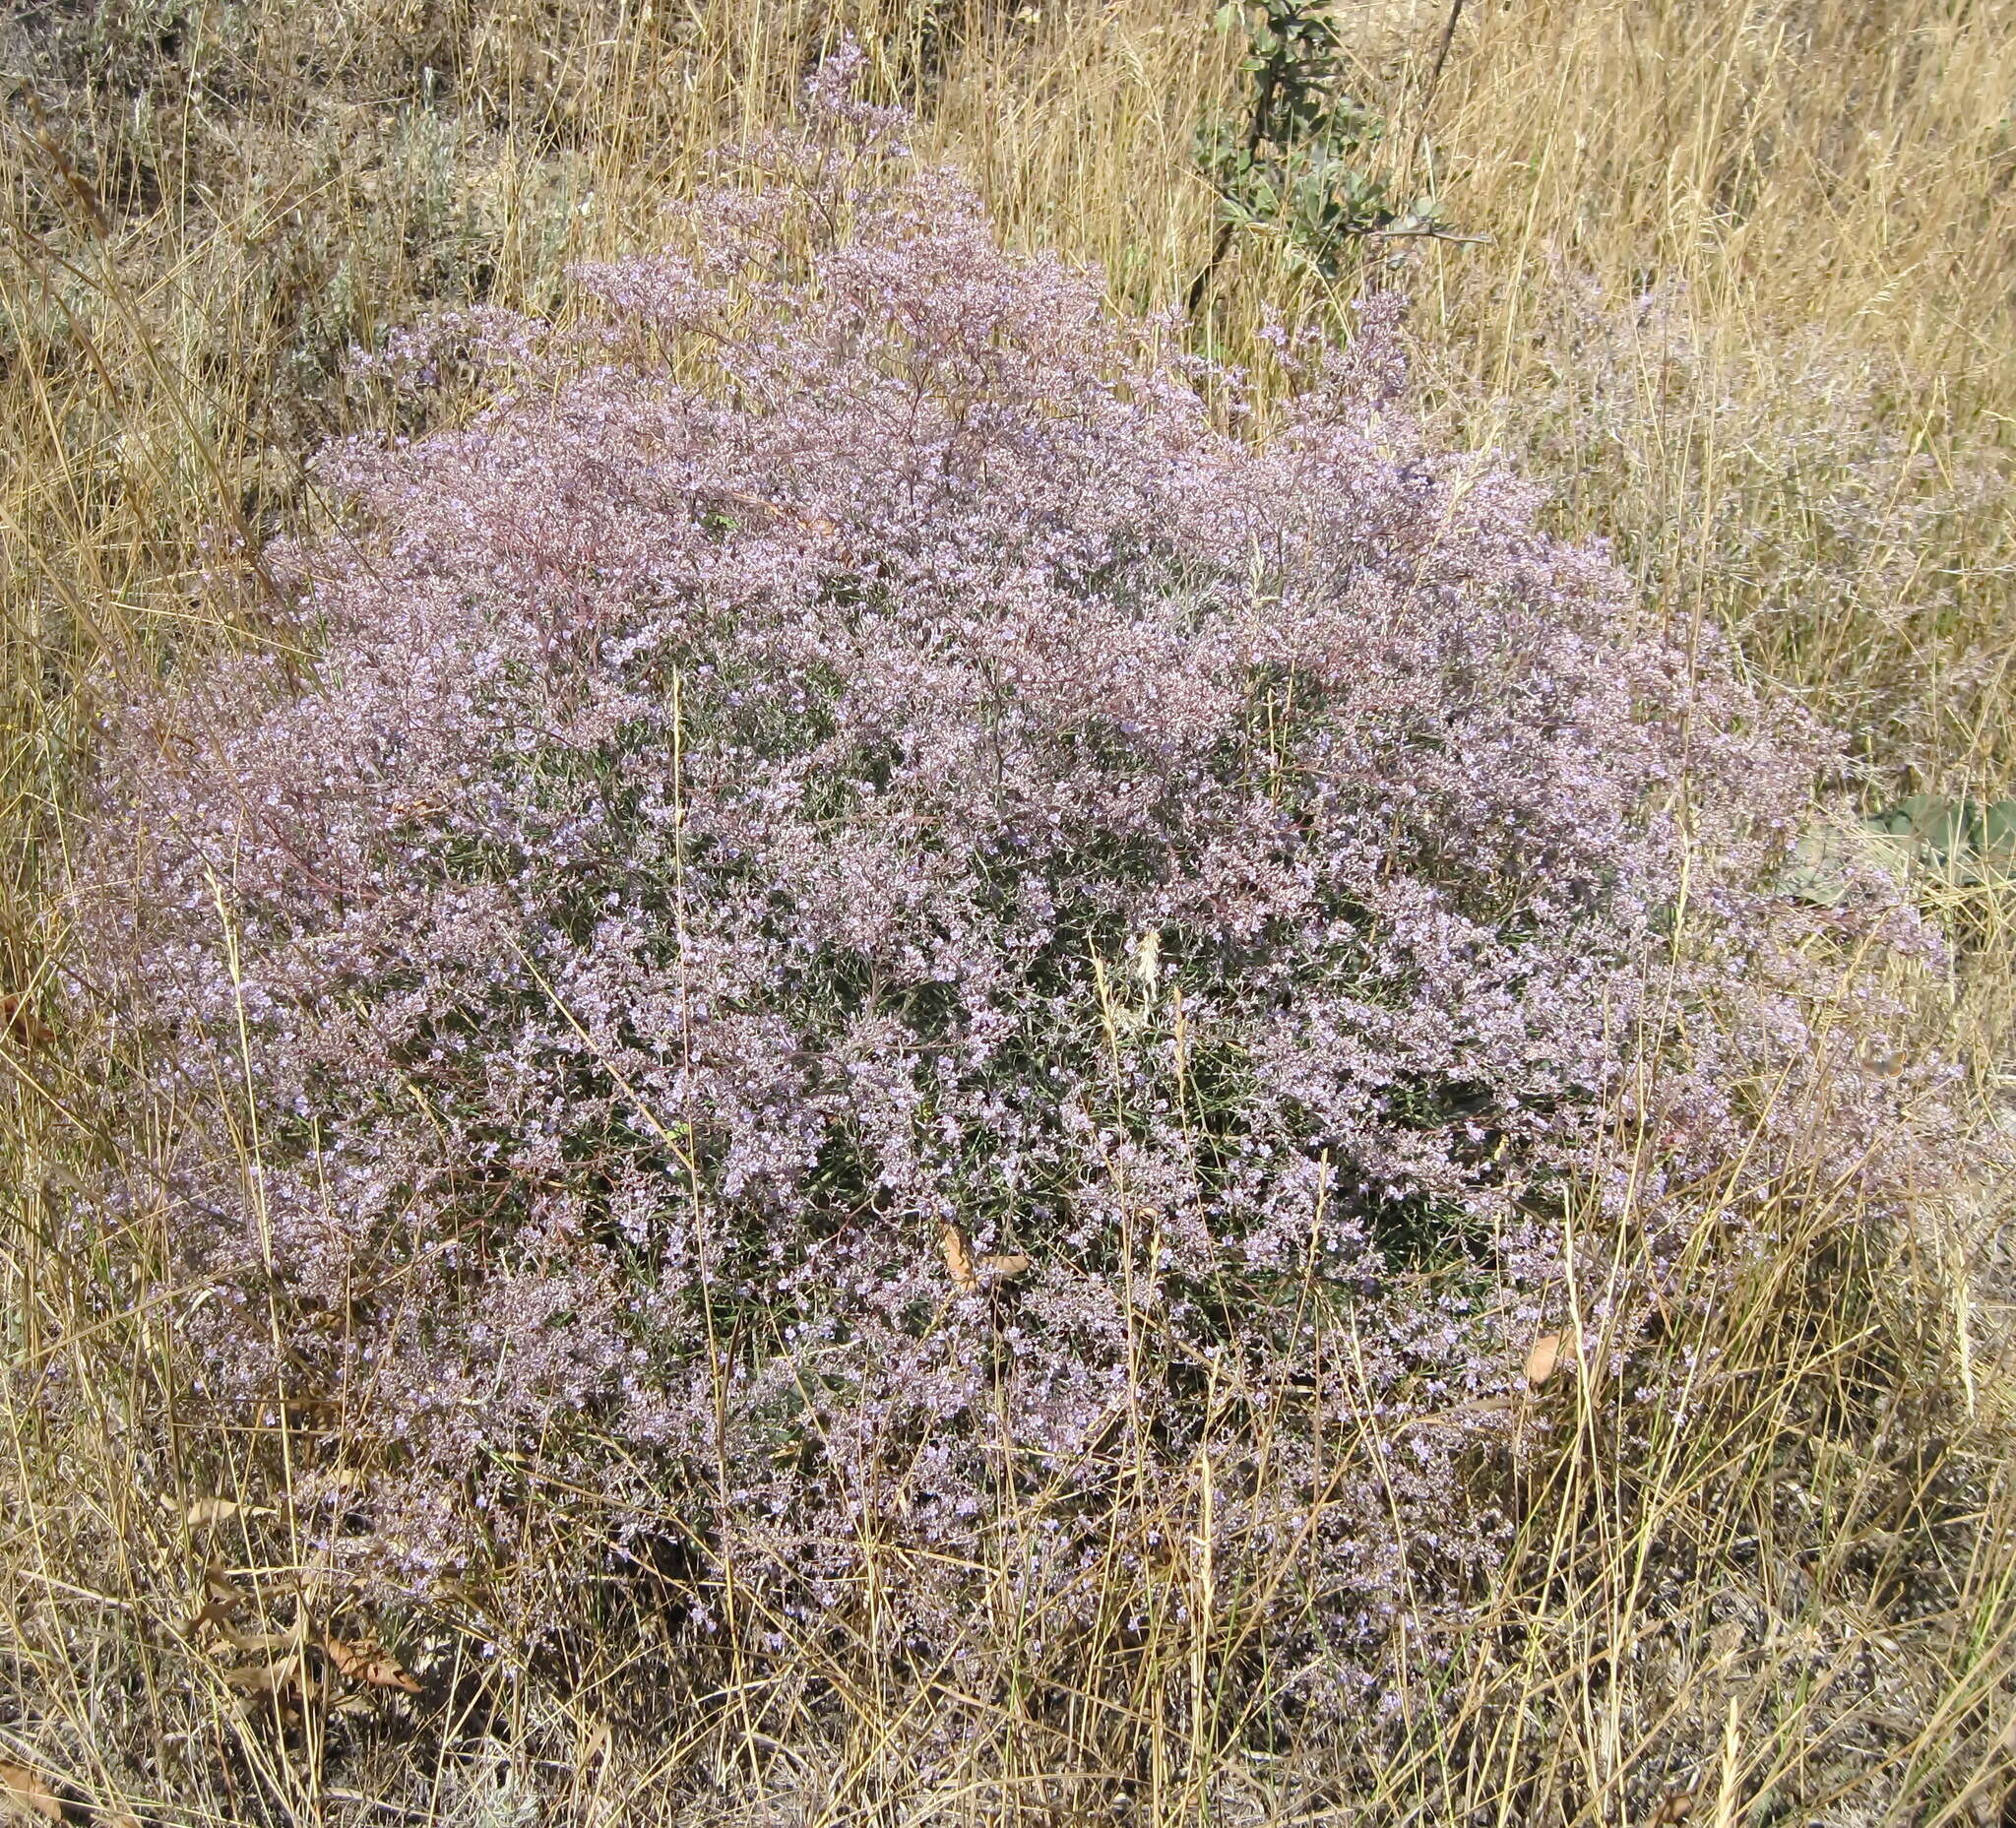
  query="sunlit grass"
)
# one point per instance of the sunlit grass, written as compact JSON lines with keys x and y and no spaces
{"x":1744,"y":307}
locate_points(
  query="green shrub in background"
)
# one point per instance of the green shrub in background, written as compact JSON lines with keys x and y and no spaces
{"x":1296,"y":159}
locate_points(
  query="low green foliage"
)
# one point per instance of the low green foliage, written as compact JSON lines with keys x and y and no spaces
{"x":1959,"y":838}
{"x":1297,"y":159}
{"x":1936,"y":838}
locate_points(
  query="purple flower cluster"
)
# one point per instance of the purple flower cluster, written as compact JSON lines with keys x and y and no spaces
{"x":881,"y":933}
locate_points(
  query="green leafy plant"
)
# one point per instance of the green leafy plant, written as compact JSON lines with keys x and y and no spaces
{"x":1960,"y":839}
{"x":1294,"y":160}
{"x":1932,"y":839}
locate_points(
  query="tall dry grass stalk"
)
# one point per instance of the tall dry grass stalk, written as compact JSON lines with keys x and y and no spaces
{"x":1746,"y":308}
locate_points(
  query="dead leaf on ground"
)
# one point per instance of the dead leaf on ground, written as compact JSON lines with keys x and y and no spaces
{"x":811,"y":523}
{"x":971,"y":1276}
{"x":1549,"y":1354}
{"x":366,"y":1661}
{"x":249,"y":1643}
{"x":1458,"y":1414}
{"x":958,"y":1256}
{"x":220,"y":1586}
{"x":203,"y":1512}
{"x":22,"y":1024}
{"x":213,"y":1614}
{"x":1673,"y":1810}
{"x":264,"y":1679}
{"x":25,"y":1794}
{"x":340,"y":1485}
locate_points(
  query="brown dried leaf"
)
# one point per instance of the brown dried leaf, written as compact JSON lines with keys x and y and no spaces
{"x":366,"y":1661}
{"x":282,"y":1705}
{"x":265,"y":1678}
{"x":1549,"y":1354}
{"x":22,"y":1024}
{"x":958,"y":1256}
{"x":811,"y":523}
{"x":340,"y":1483}
{"x":220,"y":1586}
{"x":251,"y":1642}
{"x":1458,"y":1414}
{"x":312,"y":1413}
{"x":24,"y":1794}
{"x":213,"y":1614}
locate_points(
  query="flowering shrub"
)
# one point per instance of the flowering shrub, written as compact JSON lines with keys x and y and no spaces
{"x":875,"y":937}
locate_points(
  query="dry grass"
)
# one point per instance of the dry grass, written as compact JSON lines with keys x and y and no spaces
{"x":1747,"y":309}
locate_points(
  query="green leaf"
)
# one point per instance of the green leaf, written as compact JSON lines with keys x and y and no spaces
{"x":1828,"y":857}
{"x":1960,"y":842}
